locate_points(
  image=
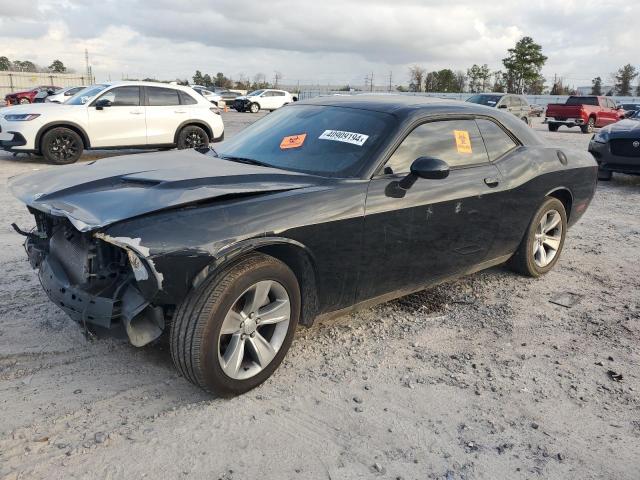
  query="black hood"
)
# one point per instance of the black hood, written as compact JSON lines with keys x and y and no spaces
{"x":97,"y":194}
{"x":628,"y":128}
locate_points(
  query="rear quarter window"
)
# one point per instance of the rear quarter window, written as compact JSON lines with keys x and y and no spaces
{"x":496,"y":140}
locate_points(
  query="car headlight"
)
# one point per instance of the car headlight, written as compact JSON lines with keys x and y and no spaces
{"x":601,"y":137}
{"x":23,"y":117}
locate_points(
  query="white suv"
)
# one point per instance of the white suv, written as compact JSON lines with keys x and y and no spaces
{"x":112,"y":115}
{"x":265,"y":99}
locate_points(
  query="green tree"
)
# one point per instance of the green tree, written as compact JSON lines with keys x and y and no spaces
{"x":5,"y":64}
{"x":24,"y":66}
{"x":624,"y":79}
{"x":197,"y":78}
{"x":57,"y":67}
{"x":523,"y":65}
{"x":498,"y":82}
{"x":479,"y":78}
{"x":596,"y":86}
{"x":222,"y":81}
{"x":206,"y":81}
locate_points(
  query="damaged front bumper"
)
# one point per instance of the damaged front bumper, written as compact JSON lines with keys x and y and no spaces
{"x":98,"y":282}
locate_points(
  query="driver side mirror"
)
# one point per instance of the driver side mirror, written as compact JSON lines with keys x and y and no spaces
{"x":100,"y":104}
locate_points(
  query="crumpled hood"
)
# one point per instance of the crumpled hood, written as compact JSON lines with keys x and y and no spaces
{"x":628,"y":128}
{"x":97,"y":194}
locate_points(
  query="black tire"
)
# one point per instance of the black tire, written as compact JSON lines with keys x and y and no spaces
{"x":61,"y":146}
{"x":589,"y":127}
{"x":605,"y":175}
{"x":553,"y":127}
{"x":24,"y":101}
{"x":523,"y":260}
{"x":192,"y":136}
{"x":254,"y":108}
{"x":196,"y":327}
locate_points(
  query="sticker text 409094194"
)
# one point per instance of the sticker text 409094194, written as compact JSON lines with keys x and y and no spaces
{"x":345,"y":137}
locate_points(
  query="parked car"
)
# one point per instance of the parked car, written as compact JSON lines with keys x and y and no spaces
{"x":515,"y":104}
{"x":265,"y":99}
{"x":318,"y":209}
{"x":64,"y":94}
{"x":586,"y":112}
{"x":616,"y":148}
{"x":629,"y":108}
{"x":112,"y":115}
{"x":27,"y":96}
{"x":537,"y":110}
{"x":208,"y":94}
{"x":228,"y":96}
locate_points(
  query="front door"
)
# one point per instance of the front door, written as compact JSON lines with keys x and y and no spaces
{"x":438,"y":228}
{"x":121,"y":123}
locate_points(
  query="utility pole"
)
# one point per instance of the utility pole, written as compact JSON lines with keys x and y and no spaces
{"x":366,"y":81}
{"x":372,"y":81}
{"x":390,"y":79}
{"x":86,"y":64}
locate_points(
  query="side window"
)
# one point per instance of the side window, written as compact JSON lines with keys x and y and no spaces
{"x":122,"y":96}
{"x":457,"y":142}
{"x":158,"y":97}
{"x":495,"y":138}
{"x":186,"y":99}
{"x":278,"y":94}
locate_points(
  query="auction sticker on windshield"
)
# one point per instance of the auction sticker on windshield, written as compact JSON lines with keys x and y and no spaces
{"x":292,"y":141}
{"x":346,"y":137}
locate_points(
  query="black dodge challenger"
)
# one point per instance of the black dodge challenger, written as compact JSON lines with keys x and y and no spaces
{"x":320,"y":208}
{"x":616,"y":148}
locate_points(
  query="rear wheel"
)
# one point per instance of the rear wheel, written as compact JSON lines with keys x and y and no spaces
{"x":588,"y":128}
{"x":230,"y":334}
{"x":542,"y":244}
{"x":24,"y":101}
{"x":61,"y":146}
{"x":192,"y":136}
{"x":553,"y":127}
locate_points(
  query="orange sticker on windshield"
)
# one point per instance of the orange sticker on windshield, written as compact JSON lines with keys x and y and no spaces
{"x":293,"y":141}
{"x":463,"y":142}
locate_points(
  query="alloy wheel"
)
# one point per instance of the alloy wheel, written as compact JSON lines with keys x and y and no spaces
{"x":548,"y":238}
{"x":254,"y":329}
{"x":194,"y":139}
{"x":63,"y":148}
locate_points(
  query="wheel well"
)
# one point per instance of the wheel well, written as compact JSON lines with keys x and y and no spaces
{"x":565,"y":197}
{"x":194,"y":123}
{"x":302,"y":266}
{"x":78,"y":130}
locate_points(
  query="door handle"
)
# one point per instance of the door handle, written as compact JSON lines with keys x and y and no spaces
{"x":492,"y":182}
{"x":136,"y":113}
{"x":179,"y":111}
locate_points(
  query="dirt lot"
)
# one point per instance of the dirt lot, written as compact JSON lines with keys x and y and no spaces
{"x":479,"y":378}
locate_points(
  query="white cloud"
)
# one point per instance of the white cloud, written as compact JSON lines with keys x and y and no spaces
{"x":335,"y":41}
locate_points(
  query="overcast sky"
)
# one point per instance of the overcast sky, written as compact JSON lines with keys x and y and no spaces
{"x":322,"y":41}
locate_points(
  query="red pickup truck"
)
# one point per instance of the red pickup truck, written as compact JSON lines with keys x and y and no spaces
{"x":586,"y":112}
{"x":27,"y":96}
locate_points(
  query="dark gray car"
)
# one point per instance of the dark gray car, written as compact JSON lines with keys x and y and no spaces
{"x":515,"y":104}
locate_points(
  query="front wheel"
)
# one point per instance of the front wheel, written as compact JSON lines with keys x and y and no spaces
{"x":540,"y":248}
{"x":61,"y":146}
{"x":254,"y":108}
{"x":24,"y":101}
{"x":231,"y":333}
{"x":192,"y":136}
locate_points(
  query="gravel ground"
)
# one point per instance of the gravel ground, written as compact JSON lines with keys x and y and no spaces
{"x":479,"y":378}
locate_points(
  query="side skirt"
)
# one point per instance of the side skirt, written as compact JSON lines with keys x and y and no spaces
{"x":401,"y":293}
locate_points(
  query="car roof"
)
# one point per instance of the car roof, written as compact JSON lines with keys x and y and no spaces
{"x":146,"y":84}
{"x":396,"y":104}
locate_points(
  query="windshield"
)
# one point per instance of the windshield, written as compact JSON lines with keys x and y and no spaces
{"x":255,"y":93}
{"x":489,"y":100}
{"x":636,"y":115}
{"x":320,"y":140}
{"x":86,"y":94}
{"x":582,"y":101}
